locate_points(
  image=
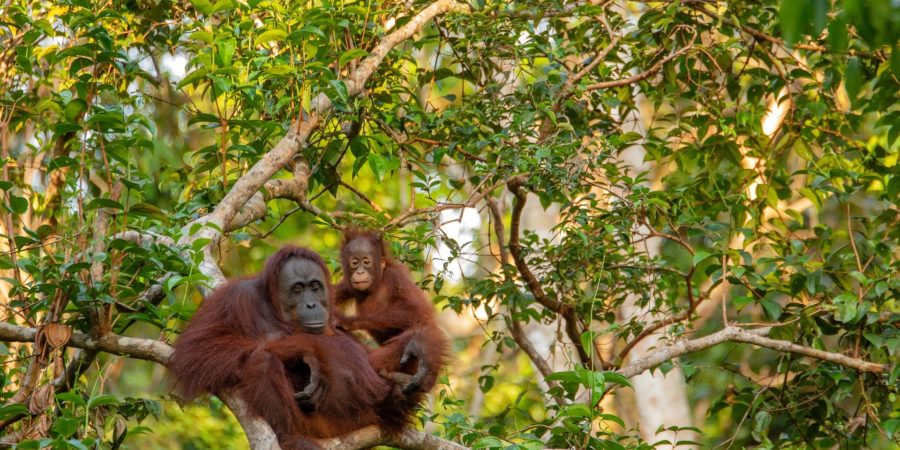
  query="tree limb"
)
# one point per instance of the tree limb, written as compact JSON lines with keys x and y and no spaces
{"x":515,"y":249}
{"x":372,"y":436}
{"x":515,"y":328}
{"x":641,"y":76}
{"x":137,"y":348}
{"x":735,"y":334}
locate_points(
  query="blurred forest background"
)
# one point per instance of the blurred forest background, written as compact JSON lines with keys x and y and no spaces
{"x":644,"y":223}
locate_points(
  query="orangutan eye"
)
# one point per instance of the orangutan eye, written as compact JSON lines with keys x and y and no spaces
{"x":367,"y":262}
{"x":298,"y":287}
{"x":354,"y":263}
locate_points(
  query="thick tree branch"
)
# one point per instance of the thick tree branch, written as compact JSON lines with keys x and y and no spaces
{"x":372,"y":436}
{"x":146,"y":349}
{"x":292,"y":189}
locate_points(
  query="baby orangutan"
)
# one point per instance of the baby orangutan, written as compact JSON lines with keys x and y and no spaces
{"x":393,"y":310}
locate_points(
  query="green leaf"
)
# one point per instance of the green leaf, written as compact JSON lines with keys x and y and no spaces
{"x":192,"y":77}
{"x":891,"y":426}
{"x":341,"y":90}
{"x":378,"y":165}
{"x":895,"y":61}
{"x":820,"y":15}
{"x":616,"y":378}
{"x":576,"y":410}
{"x":71,"y":397}
{"x":102,"y":400}
{"x":846,"y":307}
{"x":771,"y":308}
{"x":226,"y":50}
{"x":74,"y":109}
{"x":699,"y":256}
{"x":270,"y":35}
{"x":853,"y":77}
{"x":741,"y":301}
{"x":612,"y":418}
{"x":203,"y":36}
{"x":567,"y":376}
{"x":488,"y":442}
{"x":837,"y":34}
{"x":12,"y":410}
{"x":18,"y":204}
{"x":893,"y":187}
{"x":792,"y":19}
{"x":587,"y":341}
{"x":279,"y":70}
{"x":359,"y":146}
{"x":350,"y":55}
{"x":103,"y":203}
{"x":223,"y":5}
{"x":205,"y":6}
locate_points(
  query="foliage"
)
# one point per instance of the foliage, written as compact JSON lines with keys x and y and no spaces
{"x":703,"y":163}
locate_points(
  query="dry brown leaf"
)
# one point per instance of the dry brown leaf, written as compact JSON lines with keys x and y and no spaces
{"x":41,"y":398}
{"x":38,"y":428}
{"x":57,"y":334}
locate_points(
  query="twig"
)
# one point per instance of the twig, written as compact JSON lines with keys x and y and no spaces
{"x":361,"y":196}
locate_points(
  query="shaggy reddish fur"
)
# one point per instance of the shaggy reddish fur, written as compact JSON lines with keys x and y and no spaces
{"x":237,"y":341}
{"x":393,"y":311}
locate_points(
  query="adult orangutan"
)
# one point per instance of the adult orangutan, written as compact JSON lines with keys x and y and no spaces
{"x":392,"y":309}
{"x":268,"y":339}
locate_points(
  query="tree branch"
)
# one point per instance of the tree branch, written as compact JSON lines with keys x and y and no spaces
{"x":515,"y":328}
{"x":699,"y":7}
{"x":735,"y":334}
{"x":372,"y":436}
{"x":137,"y":348}
{"x":652,"y":328}
{"x":641,"y":76}
{"x":515,"y":249}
